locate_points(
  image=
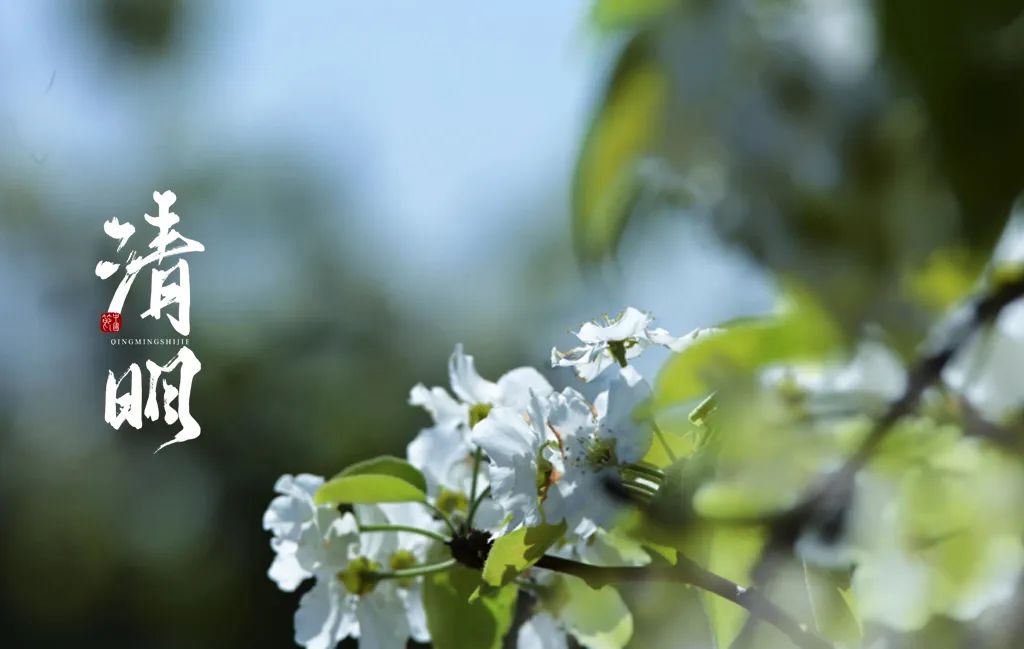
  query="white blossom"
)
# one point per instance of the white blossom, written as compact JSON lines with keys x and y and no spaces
{"x":520,"y":462}
{"x":346,"y":601}
{"x":550,"y":464}
{"x":615,"y":341}
{"x":594,"y":443}
{"x":443,"y":451}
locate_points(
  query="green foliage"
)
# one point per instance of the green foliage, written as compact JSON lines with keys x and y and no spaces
{"x":801,"y":331}
{"x":627,"y":125}
{"x":832,"y":605}
{"x":516,"y":551}
{"x":455,"y":622}
{"x":731,"y":553}
{"x":946,"y":277}
{"x":597,"y":618}
{"x":383,"y":479}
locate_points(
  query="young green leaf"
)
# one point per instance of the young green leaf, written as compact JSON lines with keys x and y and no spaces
{"x":513,"y":553}
{"x":455,"y":622}
{"x":598,"y":619}
{"x":731,"y":553}
{"x":832,"y":605}
{"x":606,"y":187}
{"x":383,"y":479}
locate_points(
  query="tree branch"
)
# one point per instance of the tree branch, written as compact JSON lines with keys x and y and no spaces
{"x":687,"y":571}
{"x":826,"y":504}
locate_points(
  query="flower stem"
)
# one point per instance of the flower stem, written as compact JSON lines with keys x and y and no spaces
{"x":475,"y":505}
{"x":664,"y":442}
{"x":476,"y":472}
{"x":416,"y":571}
{"x":404,"y":528}
{"x":440,"y":514}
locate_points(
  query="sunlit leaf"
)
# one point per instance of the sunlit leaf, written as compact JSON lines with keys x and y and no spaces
{"x":516,"y":551}
{"x":383,"y":479}
{"x":454,"y":621}
{"x":730,"y":552}
{"x":623,"y":132}
{"x":597,"y":618}
{"x":832,"y":606}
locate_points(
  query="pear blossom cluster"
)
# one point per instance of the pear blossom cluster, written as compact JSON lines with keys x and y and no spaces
{"x":517,"y":452}
{"x":497,"y":456}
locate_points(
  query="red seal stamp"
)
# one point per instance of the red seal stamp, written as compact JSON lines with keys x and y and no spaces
{"x":110,"y":322}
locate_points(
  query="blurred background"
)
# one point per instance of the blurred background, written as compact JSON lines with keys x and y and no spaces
{"x":376,"y":182}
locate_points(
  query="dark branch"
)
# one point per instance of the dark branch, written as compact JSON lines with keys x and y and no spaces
{"x":688,"y":572}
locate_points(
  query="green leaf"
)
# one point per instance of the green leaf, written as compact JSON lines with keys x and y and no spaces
{"x":832,"y":606}
{"x":598,"y":619}
{"x":731,"y":553}
{"x":383,"y":479}
{"x":455,"y":622}
{"x":801,"y":331}
{"x":668,"y":553}
{"x":624,"y":131}
{"x":513,"y":553}
{"x":677,"y":439}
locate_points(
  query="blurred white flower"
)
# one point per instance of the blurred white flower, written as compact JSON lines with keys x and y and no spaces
{"x":346,"y":601}
{"x":615,"y":341}
{"x":902,"y":577}
{"x":870,"y":380}
{"x":987,"y":371}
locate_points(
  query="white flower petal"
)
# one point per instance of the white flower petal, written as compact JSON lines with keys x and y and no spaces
{"x":467,"y":384}
{"x":516,"y":386}
{"x":294,"y":508}
{"x":514,"y":490}
{"x":321,"y":620}
{"x":286,"y":571}
{"x":382,"y":620}
{"x":632,"y":437}
{"x":505,"y":435}
{"x":631,"y":324}
{"x":373,"y":545}
{"x":412,"y":599}
{"x":441,"y":454}
{"x":412,"y":515}
{"x":586,"y":362}
{"x":443,"y":408}
{"x":682,"y":342}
